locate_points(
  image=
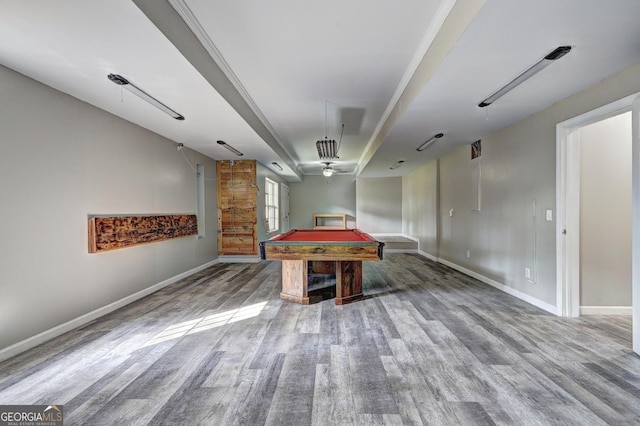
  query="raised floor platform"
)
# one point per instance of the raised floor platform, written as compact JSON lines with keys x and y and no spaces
{"x":397,"y":243}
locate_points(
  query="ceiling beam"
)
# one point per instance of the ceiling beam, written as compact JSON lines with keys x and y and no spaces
{"x":436,"y":45}
{"x":167,"y":19}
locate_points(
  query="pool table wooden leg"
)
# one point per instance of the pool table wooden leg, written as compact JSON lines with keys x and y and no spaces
{"x":294,"y":281}
{"x":348,"y":281}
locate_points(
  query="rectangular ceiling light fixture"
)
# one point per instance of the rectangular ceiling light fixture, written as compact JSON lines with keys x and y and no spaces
{"x":398,"y":164}
{"x":428,"y":143}
{"x":538,"y":66}
{"x":327,"y":149}
{"x":230,"y":148}
{"x":277,"y":166}
{"x":121,"y":81}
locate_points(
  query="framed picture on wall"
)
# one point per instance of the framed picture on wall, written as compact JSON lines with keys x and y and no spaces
{"x":476,"y":149}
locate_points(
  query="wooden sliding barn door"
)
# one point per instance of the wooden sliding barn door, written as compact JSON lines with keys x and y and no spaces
{"x":237,"y":208}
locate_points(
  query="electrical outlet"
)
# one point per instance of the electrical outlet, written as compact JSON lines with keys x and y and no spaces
{"x":527,"y":273}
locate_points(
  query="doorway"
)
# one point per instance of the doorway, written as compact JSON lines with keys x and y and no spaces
{"x":568,"y":208}
{"x":605,"y":217}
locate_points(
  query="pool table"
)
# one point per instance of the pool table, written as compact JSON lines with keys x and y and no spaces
{"x":344,"y":249}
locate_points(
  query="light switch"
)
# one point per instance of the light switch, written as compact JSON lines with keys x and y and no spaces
{"x":450,"y":212}
{"x":549,"y":215}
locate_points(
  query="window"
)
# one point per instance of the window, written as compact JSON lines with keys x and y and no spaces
{"x":271,"y":205}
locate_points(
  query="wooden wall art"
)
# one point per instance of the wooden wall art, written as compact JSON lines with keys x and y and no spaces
{"x":116,"y":232}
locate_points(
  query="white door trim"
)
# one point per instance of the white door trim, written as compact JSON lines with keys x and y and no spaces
{"x":635,"y":240}
{"x":568,"y":209}
{"x":568,"y":223}
{"x":284,"y":208}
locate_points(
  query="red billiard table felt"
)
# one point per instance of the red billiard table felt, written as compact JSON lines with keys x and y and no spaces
{"x":324,"y":235}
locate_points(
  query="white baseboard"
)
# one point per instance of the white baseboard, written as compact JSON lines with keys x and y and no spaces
{"x":428,"y":256}
{"x":606,"y":310}
{"x":509,"y":290}
{"x":59,"y":330}
{"x":239,"y":259}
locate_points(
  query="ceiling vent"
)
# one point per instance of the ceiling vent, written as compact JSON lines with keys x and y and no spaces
{"x":327,"y":149}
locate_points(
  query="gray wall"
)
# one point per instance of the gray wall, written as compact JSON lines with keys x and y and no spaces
{"x":61,"y":160}
{"x":318,"y":194}
{"x":605,"y":212}
{"x":375,"y":202}
{"x":420,"y":207}
{"x":519,"y":171}
{"x":379,"y":205}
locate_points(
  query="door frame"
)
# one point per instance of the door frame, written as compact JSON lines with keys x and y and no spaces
{"x":284,"y":207}
{"x":568,"y":209}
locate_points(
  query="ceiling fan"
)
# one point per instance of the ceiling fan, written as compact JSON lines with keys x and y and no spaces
{"x":328,"y":170}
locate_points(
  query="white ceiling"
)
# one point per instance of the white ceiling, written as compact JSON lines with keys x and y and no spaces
{"x":271,"y":78}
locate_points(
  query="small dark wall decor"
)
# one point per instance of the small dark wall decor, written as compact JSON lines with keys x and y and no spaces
{"x":116,"y":232}
{"x":476,"y":149}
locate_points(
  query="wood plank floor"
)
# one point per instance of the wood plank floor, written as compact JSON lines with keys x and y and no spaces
{"x":428,"y":345}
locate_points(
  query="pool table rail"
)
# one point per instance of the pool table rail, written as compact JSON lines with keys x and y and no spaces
{"x":319,"y":251}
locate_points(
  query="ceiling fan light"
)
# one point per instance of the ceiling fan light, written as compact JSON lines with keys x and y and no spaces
{"x":327,"y":171}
